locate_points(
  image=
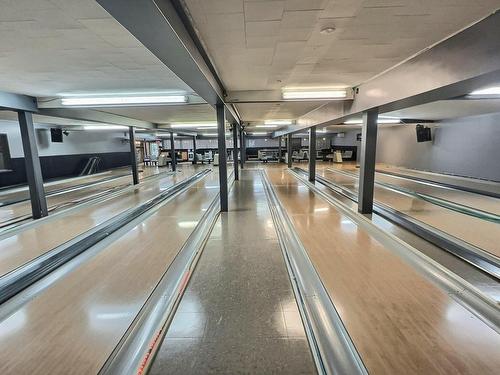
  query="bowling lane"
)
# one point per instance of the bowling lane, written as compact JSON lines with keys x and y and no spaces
{"x":477,"y":232}
{"x":8,"y":194}
{"x":399,"y":321}
{"x":465,"y":182}
{"x":473,"y":200}
{"x":34,"y":241}
{"x":22,"y":210}
{"x":74,"y":325}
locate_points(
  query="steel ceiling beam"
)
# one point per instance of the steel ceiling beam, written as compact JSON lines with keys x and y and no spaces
{"x":85,"y":114}
{"x":17,"y":102}
{"x":464,"y":62}
{"x":158,"y":26}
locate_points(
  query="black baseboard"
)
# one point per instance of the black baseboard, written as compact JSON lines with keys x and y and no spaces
{"x":62,"y":166}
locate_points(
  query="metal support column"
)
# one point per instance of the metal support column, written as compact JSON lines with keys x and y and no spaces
{"x":279,"y":149}
{"x":312,"y":154}
{"x":32,"y":163}
{"x":235,"y":152}
{"x":243,"y":148}
{"x":367,"y":161}
{"x":133,"y":155}
{"x":172,"y":152}
{"x":289,"y":149}
{"x":194,"y":150}
{"x":221,"y":142}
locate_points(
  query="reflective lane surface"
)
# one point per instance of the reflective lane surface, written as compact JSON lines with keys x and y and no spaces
{"x":64,"y":199}
{"x":478,"y":232}
{"x":481,"y":202}
{"x":466,"y":182}
{"x":26,"y":245}
{"x":74,"y":325}
{"x":399,"y":322}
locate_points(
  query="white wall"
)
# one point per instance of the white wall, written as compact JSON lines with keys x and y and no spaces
{"x":77,"y":142}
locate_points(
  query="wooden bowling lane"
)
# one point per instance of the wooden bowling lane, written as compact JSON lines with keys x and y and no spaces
{"x":21,"y":192}
{"x":74,"y":325}
{"x":34,"y":241}
{"x":399,"y":321}
{"x":465,"y":198}
{"x":475,"y":184}
{"x":72,"y":197}
{"x":480,"y":233}
{"x":59,"y":201}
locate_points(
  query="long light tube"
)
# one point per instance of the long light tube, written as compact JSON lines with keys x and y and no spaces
{"x":104,"y":127}
{"x":277,"y":122}
{"x":316,"y":94}
{"x":213,"y":134}
{"x":123,"y":100}
{"x":197,"y":125}
{"x":380,"y":120}
{"x":495,"y":90}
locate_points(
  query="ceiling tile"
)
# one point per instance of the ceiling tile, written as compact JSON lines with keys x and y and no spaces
{"x":305,"y":5}
{"x":262,"y":28}
{"x":264,"y":10}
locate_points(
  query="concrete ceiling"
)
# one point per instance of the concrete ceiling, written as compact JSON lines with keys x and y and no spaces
{"x":167,"y":114}
{"x":54,"y":47}
{"x":276,"y":44}
{"x":259,"y":111}
{"x":264,"y":45}
{"x":51,"y":47}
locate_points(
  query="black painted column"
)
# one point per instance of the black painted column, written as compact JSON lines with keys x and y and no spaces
{"x":32,"y":163}
{"x":289,"y":149}
{"x":312,"y":154}
{"x":221,"y":142}
{"x":195,"y":161}
{"x":367,"y":161}
{"x":173,"y":155}
{"x":133,"y":155}
{"x":235,"y":152}
{"x":279,"y":149}
{"x":243,"y":148}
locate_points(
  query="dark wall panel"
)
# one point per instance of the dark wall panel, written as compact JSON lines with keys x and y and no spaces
{"x":62,"y":166}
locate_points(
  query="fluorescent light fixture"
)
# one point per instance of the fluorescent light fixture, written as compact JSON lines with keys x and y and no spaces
{"x":353,"y":121}
{"x":380,"y":120}
{"x":259,"y":133}
{"x":197,"y":125}
{"x":388,"y":120}
{"x":104,"y":127}
{"x":495,"y":90}
{"x":213,"y":134}
{"x":164,"y":135}
{"x":315,"y":94}
{"x":278,"y":122}
{"x":122,"y":100}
